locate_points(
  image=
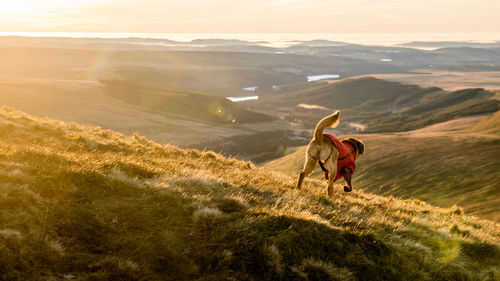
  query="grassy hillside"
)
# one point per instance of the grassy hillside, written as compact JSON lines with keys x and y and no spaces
{"x":435,"y":108}
{"x":191,"y":105}
{"x":219,"y":80}
{"x":93,"y":204}
{"x":381,"y":106}
{"x":258,"y":147}
{"x":447,"y":80}
{"x":90,"y":103}
{"x":367,"y":93}
{"x":440,"y":167}
{"x":490,"y":125}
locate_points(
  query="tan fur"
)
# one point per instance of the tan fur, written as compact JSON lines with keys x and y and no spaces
{"x":320,"y":148}
{"x":329,"y":121}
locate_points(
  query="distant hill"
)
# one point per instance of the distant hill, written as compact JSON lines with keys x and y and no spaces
{"x":183,"y":119}
{"x":190,"y":105}
{"x":442,"y":167}
{"x":451,"y":44}
{"x":355,"y":93}
{"x":437,"y":107}
{"x":381,"y":106}
{"x":222,"y":81}
{"x":304,"y":58}
{"x":224,"y":71}
{"x":89,"y":204}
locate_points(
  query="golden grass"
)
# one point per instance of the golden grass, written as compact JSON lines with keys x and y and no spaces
{"x":441,"y":167}
{"x":103,"y":206}
{"x":490,"y":125}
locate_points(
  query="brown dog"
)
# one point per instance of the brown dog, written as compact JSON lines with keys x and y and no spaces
{"x":335,"y":157}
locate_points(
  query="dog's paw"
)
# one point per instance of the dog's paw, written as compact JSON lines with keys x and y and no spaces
{"x":347,"y":188}
{"x":330,"y":191}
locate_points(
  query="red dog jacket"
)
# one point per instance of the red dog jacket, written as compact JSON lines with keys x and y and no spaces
{"x":347,"y":153}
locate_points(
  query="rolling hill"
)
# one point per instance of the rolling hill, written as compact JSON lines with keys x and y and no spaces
{"x":162,"y":114}
{"x":222,"y":73}
{"x":352,"y":93}
{"x":444,"y":164}
{"x":380,"y":105}
{"x":490,"y":125}
{"x":189,"y":105}
{"x":90,"y":204}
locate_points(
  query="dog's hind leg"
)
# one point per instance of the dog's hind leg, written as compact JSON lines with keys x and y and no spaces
{"x":332,"y":168}
{"x":308,"y":168}
{"x":331,"y":179}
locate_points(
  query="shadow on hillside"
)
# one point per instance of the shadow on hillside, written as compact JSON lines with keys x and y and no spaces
{"x":100,"y":215}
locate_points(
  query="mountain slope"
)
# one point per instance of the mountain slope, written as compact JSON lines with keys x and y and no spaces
{"x":91,"y":204}
{"x":444,"y":164}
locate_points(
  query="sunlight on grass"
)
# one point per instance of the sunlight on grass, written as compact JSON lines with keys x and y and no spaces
{"x":103,"y":206}
{"x":449,"y":250}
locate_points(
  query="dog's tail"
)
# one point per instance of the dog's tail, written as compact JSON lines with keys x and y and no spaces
{"x":328,"y":121}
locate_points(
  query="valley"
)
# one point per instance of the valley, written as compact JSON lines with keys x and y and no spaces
{"x":179,"y":96}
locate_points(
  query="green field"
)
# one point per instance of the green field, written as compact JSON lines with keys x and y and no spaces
{"x":97,"y":205}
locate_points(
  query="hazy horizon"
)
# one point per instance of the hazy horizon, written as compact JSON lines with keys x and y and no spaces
{"x":278,"y":40}
{"x":261,"y":16}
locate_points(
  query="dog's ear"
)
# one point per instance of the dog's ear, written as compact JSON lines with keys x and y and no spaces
{"x":360,"y":146}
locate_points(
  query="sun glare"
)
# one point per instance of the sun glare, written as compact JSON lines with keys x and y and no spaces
{"x":246,"y":16}
{"x":39,"y":8}
{"x":30,"y":7}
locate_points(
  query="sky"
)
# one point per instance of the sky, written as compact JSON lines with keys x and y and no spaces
{"x":250,"y":16}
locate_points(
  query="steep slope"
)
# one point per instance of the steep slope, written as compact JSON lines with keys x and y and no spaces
{"x":91,"y":204}
{"x":444,"y":164}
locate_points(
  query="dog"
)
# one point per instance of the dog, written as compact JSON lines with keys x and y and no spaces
{"x":336,"y":158}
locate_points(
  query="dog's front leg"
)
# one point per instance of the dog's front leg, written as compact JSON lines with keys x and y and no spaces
{"x":308,"y":168}
{"x":347,"y":177}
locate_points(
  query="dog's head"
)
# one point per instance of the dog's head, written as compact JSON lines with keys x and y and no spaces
{"x":357,"y":144}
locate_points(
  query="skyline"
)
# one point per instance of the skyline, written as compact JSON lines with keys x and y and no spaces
{"x":258,"y":16}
